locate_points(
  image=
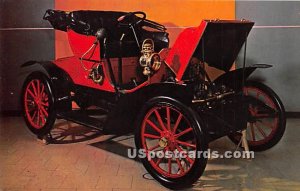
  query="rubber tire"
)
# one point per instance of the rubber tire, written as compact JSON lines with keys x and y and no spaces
{"x":281,"y":121}
{"x":51,"y":113}
{"x":200,"y":163}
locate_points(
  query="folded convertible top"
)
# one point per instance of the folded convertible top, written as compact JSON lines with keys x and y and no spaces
{"x":84,"y":21}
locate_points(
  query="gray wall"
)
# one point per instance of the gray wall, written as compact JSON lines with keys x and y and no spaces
{"x":20,"y":45}
{"x":276,"y":45}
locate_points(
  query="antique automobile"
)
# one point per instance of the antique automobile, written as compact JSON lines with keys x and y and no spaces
{"x":123,"y":66}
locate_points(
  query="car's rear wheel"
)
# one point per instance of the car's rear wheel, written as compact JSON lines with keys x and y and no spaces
{"x":38,"y":104}
{"x":266,"y":123}
{"x":167,"y":127}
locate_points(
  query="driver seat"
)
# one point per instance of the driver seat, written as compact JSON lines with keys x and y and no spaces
{"x":109,"y":21}
{"x":96,"y":20}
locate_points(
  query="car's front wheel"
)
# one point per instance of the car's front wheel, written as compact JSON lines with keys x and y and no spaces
{"x":170,"y":136}
{"x":38,"y":104}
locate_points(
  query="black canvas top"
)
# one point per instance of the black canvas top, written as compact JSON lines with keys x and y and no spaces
{"x":76,"y":20}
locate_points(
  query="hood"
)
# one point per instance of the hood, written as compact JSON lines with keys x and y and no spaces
{"x":221,"y":43}
{"x":216,"y":43}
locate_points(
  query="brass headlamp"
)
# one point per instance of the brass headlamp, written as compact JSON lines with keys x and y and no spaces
{"x":149,"y":59}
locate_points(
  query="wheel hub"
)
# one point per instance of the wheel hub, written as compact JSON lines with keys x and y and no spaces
{"x":167,"y":139}
{"x":32,"y":103}
{"x":163,"y":142}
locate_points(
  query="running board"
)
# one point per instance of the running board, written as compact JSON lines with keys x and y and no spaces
{"x":81,"y":117}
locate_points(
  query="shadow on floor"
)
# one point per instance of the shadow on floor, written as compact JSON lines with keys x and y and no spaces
{"x":65,"y":132}
{"x":114,"y":145}
{"x":260,"y":173}
{"x":223,"y":174}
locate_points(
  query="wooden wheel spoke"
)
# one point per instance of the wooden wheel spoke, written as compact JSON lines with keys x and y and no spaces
{"x":169,"y":166}
{"x":261,"y":131}
{"x":38,"y":89}
{"x":29,"y":105}
{"x":30,"y":109}
{"x":34,"y":115}
{"x":262,"y":115}
{"x":269,"y":125}
{"x":177,"y":123}
{"x":266,"y":114}
{"x":252,"y":132}
{"x":184,"y":132}
{"x":34,"y":88}
{"x":179,"y":165}
{"x":43,"y":111}
{"x":186,"y":144}
{"x":151,"y":136}
{"x":158,"y":161}
{"x":44,"y":104}
{"x":160,"y":120}
{"x":191,"y":161}
{"x":153,"y":126}
{"x":153,"y":148}
{"x":42,"y":90}
{"x":168,"y":118}
{"x":44,"y":96}
{"x":42,"y":118}
{"x":31,"y":93}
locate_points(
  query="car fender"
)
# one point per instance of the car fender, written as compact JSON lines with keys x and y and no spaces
{"x":60,"y":81}
{"x":234,"y":78}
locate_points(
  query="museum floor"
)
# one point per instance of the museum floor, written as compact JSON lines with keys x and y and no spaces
{"x":81,"y":159}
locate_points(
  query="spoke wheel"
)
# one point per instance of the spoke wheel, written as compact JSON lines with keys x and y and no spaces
{"x":37,"y":102}
{"x":168,"y":128}
{"x":266,"y":121}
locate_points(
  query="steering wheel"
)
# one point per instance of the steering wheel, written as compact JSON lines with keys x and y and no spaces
{"x":132,"y":18}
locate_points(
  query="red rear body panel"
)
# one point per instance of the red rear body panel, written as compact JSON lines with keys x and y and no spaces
{"x":81,"y":43}
{"x":79,"y":76}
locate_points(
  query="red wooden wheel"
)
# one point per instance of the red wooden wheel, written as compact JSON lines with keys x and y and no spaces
{"x":161,"y":133}
{"x":36,"y":102}
{"x":171,"y":136}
